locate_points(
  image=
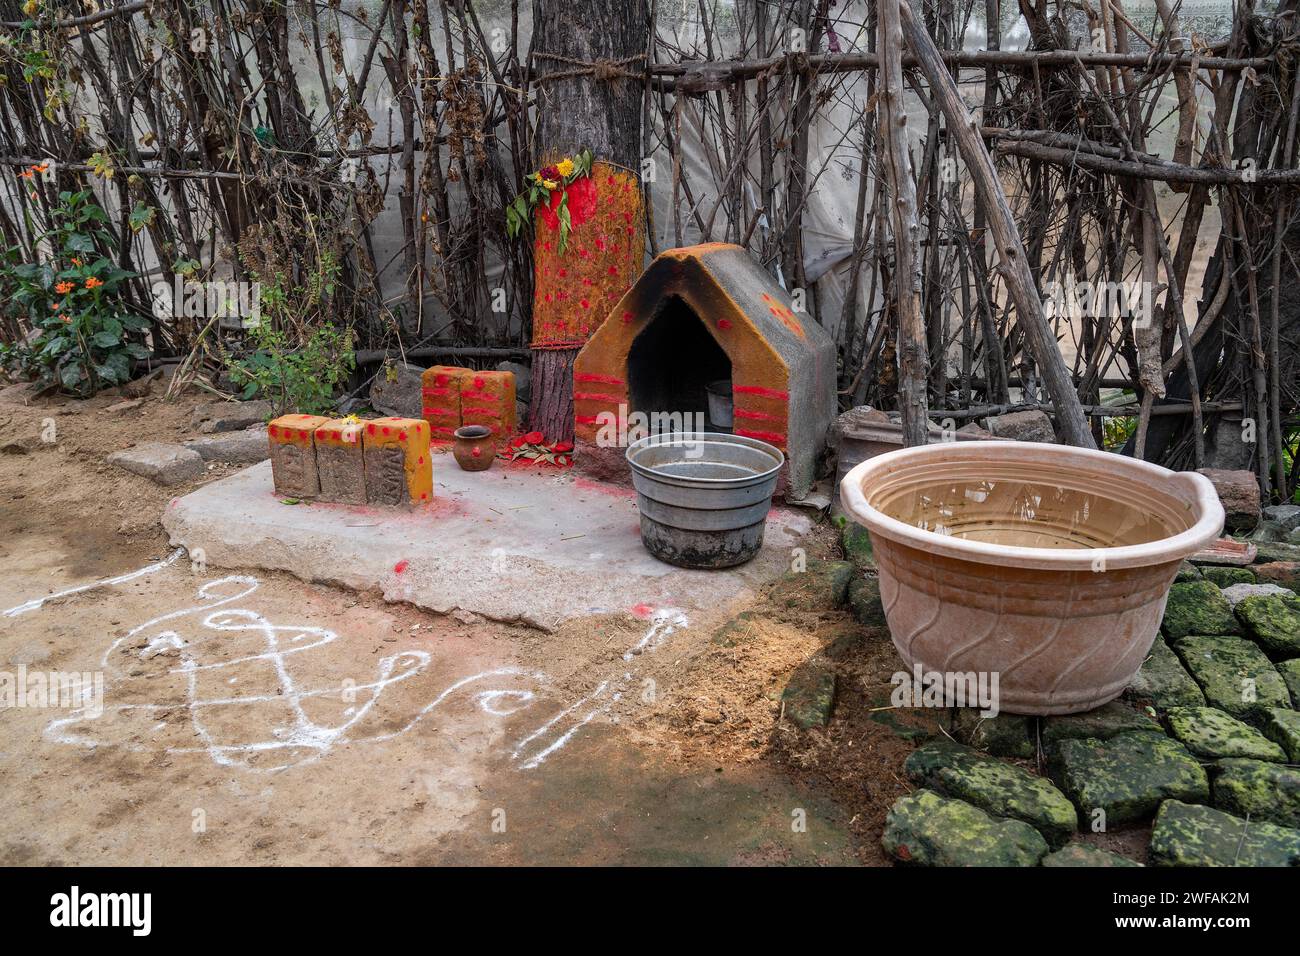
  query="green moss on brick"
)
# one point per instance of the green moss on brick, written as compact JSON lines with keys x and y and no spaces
{"x":856,"y":542}
{"x":1273,"y":622}
{"x":926,"y":829}
{"x":1234,"y":674}
{"x":993,"y":785}
{"x":1163,"y":681}
{"x":1187,"y":835}
{"x":1211,"y":733}
{"x":1080,"y":854}
{"x":1127,"y":776}
{"x":1258,"y":790}
{"x":1197,"y":607}
{"x":1226,"y":577}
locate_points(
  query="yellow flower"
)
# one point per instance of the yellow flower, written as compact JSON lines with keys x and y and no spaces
{"x":549,"y":183}
{"x":565,"y":166}
{"x":31,"y":7}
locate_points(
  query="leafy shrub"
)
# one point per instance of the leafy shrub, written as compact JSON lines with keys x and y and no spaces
{"x":87,"y":335}
{"x":299,"y":379}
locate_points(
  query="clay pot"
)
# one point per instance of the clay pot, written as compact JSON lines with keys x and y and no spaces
{"x":1045,"y":564}
{"x":474,"y":448}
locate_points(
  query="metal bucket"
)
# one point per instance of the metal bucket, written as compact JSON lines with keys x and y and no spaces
{"x":703,"y":496}
{"x":721,"y":412}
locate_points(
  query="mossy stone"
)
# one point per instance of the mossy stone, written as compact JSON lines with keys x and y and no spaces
{"x":1006,"y":735}
{"x":1290,"y":671}
{"x":1127,"y":776}
{"x":1234,"y":674}
{"x":1164,"y":681}
{"x":1080,"y":854}
{"x":1197,"y":607}
{"x":926,"y":829}
{"x":822,"y":586}
{"x":1258,"y":790}
{"x":809,"y":696}
{"x":1273,"y":622}
{"x":1283,"y":728}
{"x":1187,"y":835}
{"x":1267,"y":553}
{"x":1101,"y":722}
{"x":864,"y":602}
{"x":856,"y":542}
{"x":1187,"y":572}
{"x":1226,"y":577}
{"x":993,"y":785}
{"x":1209,"y":732}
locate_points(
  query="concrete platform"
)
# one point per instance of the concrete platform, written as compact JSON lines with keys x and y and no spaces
{"x":511,"y":544}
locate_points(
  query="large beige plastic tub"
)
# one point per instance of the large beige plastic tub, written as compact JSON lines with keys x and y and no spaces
{"x":1044,"y":564}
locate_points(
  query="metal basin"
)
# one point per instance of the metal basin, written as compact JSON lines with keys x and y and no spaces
{"x":703,"y":497}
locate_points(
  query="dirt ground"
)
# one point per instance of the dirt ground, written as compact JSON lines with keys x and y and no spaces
{"x":379,"y":733}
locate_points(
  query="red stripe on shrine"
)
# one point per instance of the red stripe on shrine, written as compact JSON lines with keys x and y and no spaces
{"x":761,"y":416}
{"x":761,"y":391}
{"x":602,"y":379}
{"x":597,"y":397}
{"x":585,"y":419}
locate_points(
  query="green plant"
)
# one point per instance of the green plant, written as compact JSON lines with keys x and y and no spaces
{"x":1115,"y":431}
{"x":87,"y":335}
{"x":301,"y":378}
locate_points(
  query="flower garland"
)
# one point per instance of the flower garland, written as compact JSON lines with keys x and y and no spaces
{"x":538,"y":189}
{"x":532,"y":448}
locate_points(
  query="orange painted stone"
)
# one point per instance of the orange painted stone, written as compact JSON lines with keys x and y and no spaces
{"x":339,"y":461}
{"x":488,"y":398}
{"x":398,"y":466}
{"x":575,"y":290}
{"x":440,"y":387}
{"x":293,"y":455}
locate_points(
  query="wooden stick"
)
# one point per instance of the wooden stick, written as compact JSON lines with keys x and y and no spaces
{"x":913,"y":353}
{"x":1011,"y":253}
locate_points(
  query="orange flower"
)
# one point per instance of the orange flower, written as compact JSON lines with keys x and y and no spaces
{"x":63,"y":288}
{"x":76,"y":262}
{"x":93,"y":283}
{"x":27,"y":173}
{"x":66,"y":318}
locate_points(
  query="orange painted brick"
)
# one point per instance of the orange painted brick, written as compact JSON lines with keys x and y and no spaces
{"x":293,"y":455}
{"x":488,"y":398}
{"x":440,"y":387}
{"x":399,"y":469}
{"x":339,"y":461}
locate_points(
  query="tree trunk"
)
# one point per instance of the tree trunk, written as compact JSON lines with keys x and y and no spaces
{"x":600,"y":110}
